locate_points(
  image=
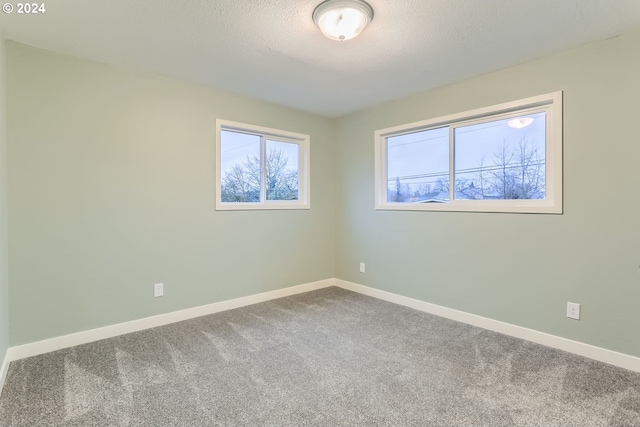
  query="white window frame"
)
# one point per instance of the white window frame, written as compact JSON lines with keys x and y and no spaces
{"x":303,"y":142}
{"x":551,"y":103}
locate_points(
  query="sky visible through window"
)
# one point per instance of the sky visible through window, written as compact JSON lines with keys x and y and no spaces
{"x":492,"y":161}
{"x":235,"y":147}
{"x":241,"y":164}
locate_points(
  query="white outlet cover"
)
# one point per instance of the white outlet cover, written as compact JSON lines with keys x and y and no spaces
{"x":158,"y":290}
{"x":362,"y":267}
{"x":573,"y":310}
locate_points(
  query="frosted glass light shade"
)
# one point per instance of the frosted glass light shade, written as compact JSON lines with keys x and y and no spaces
{"x":342,"y":19}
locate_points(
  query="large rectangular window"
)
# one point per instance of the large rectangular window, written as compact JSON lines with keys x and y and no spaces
{"x":505,"y":158}
{"x":261,"y":168}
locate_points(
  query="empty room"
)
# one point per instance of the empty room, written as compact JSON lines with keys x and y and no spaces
{"x":319,"y":213}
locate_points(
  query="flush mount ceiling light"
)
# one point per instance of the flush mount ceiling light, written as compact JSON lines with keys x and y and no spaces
{"x":520,"y":122}
{"x":342,"y":19}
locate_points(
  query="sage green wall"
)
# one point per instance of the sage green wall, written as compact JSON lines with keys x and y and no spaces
{"x":4,"y":266}
{"x":517,"y":268}
{"x":111,"y":189}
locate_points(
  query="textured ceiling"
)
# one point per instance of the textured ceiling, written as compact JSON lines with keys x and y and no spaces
{"x":270,"y":49}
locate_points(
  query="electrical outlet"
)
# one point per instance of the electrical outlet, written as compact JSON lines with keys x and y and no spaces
{"x":158,"y":290}
{"x":362,"y":268}
{"x":573,"y":310}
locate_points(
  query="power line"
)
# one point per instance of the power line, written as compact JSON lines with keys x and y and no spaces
{"x":237,"y":148}
{"x":466,"y":171}
{"x":421,"y":140}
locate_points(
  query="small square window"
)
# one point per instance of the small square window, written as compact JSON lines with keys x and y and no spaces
{"x":261,"y":168}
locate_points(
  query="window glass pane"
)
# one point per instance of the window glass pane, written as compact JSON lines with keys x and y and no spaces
{"x":240,"y":167}
{"x":282,"y":170}
{"x":502,"y":159}
{"x":418,"y":167}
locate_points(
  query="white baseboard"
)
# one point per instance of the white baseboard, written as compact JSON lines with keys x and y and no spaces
{"x":65,"y":341}
{"x":4,"y":368}
{"x":597,"y":353}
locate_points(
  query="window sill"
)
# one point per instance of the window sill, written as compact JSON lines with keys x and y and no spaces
{"x":260,"y":206}
{"x":523,"y":206}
